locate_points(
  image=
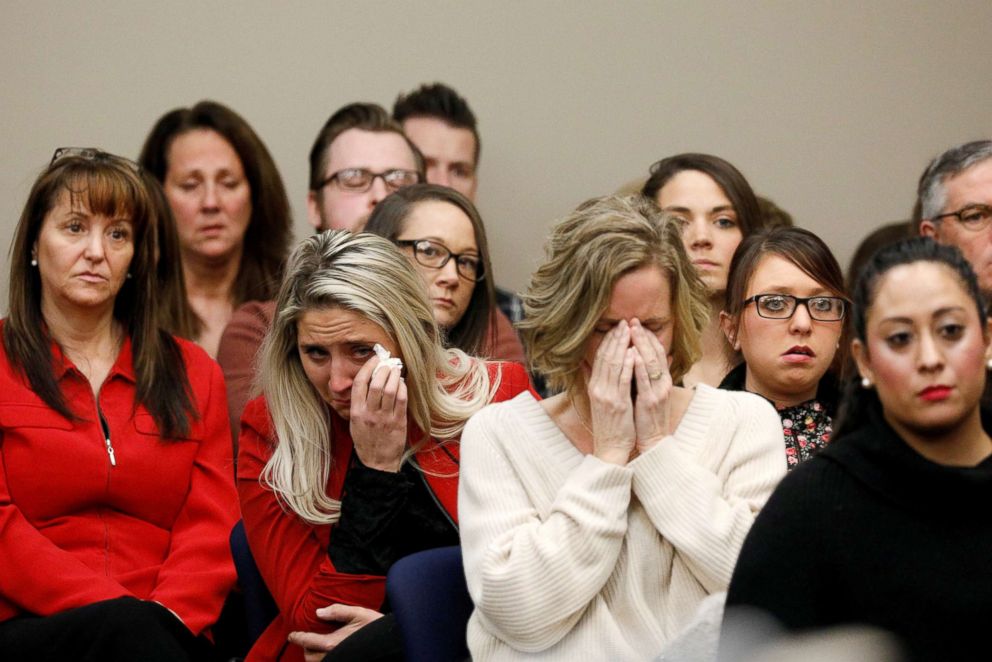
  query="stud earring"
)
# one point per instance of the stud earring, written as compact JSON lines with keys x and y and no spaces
{"x":865,"y":382}
{"x":988,"y":364}
{"x":34,"y":262}
{"x":129,"y":274}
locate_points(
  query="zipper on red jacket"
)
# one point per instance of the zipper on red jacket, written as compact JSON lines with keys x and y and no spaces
{"x":106,"y":431}
{"x":106,"y":437}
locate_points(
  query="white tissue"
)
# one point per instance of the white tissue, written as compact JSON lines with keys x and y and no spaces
{"x":385,"y":361}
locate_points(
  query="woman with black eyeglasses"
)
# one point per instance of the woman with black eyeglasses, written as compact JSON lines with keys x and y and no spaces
{"x":116,"y":498}
{"x":443,"y":234}
{"x":784,"y":313}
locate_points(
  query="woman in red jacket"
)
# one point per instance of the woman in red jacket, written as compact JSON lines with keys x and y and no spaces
{"x":350,"y":459}
{"x":115,"y":501}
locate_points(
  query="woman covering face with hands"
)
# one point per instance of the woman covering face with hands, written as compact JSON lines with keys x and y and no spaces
{"x":349,"y":461}
{"x":623,"y":494}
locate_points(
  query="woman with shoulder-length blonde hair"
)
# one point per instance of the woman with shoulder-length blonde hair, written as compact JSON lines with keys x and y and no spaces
{"x":349,"y":461}
{"x":623,"y":495}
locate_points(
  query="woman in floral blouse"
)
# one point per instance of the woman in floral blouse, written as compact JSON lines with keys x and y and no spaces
{"x":784,"y":313}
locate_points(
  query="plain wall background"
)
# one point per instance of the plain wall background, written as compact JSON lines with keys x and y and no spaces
{"x":830,"y":108}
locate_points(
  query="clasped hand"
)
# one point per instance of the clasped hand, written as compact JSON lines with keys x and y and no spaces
{"x":349,"y":618}
{"x":621,"y":421}
{"x":378,"y":416}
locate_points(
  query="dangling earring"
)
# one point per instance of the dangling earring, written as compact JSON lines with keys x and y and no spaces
{"x":865,"y":382}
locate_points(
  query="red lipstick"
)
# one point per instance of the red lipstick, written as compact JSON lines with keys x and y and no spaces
{"x":935,"y":393}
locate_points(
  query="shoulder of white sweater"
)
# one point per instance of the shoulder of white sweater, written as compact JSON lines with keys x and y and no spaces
{"x":713,"y":408}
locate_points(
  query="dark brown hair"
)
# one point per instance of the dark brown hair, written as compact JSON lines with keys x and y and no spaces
{"x":109,"y":187}
{"x":475,"y":331}
{"x":800,"y":247}
{"x":175,"y":314}
{"x":727,"y":177}
{"x":441,"y":102}
{"x":267,"y":239}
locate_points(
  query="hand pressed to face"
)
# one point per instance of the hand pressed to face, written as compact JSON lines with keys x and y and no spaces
{"x":652,"y":411}
{"x":610,"y":406}
{"x":336,"y":351}
{"x":635,"y":329}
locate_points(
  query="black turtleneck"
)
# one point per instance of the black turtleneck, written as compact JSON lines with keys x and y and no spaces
{"x":871,"y":532}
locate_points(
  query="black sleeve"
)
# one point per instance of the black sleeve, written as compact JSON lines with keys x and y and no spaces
{"x":783,"y":567}
{"x":363,"y":540}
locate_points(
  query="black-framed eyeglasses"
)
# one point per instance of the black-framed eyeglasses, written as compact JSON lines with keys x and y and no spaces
{"x":783,"y":306}
{"x":360,"y":180}
{"x":434,"y":255}
{"x":92,"y":154}
{"x":971,"y":217}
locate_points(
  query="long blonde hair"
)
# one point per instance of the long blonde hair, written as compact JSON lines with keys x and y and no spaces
{"x":366,"y":274}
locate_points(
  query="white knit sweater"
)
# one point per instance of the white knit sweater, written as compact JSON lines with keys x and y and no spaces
{"x":571,"y":558}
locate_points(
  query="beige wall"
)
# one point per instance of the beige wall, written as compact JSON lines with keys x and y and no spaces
{"x":830,"y":108}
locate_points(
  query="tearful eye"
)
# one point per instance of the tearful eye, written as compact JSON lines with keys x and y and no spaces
{"x":362,"y":352}
{"x":314,"y":353}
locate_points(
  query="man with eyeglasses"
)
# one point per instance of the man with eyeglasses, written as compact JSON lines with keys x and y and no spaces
{"x":954,"y":205}
{"x":360,"y":156}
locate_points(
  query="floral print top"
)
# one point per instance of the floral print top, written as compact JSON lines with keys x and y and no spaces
{"x":807,"y":428}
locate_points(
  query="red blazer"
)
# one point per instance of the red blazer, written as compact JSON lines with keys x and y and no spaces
{"x":75,"y":529}
{"x":292,"y":554}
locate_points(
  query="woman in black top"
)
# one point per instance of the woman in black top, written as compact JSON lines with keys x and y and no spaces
{"x":890,"y":525}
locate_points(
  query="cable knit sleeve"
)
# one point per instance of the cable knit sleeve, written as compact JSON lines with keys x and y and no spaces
{"x":532,"y":567}
{"x":703,"y":486}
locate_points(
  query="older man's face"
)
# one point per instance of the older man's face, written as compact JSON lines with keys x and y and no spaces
{"x":971,"y":187}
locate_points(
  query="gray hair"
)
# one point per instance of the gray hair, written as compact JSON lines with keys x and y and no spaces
{"x":931,"y":194}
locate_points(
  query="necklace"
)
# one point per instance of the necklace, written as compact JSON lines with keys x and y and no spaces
{"x":578,"y":414}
